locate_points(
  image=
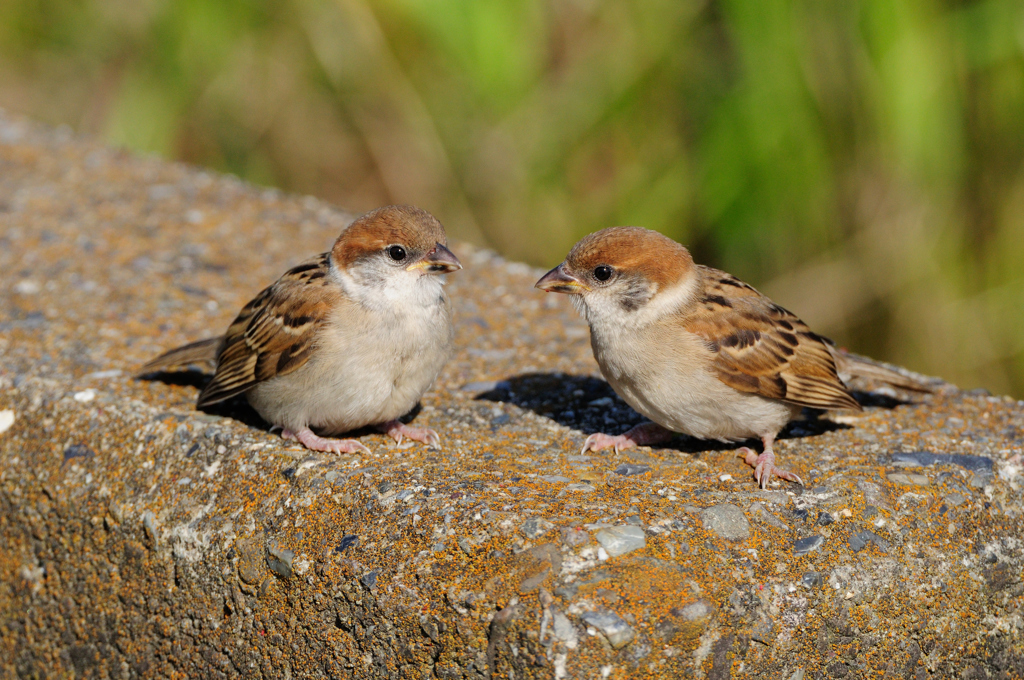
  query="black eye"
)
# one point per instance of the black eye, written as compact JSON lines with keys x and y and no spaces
{"x":602,"y":272}
{"x":396,"y":253}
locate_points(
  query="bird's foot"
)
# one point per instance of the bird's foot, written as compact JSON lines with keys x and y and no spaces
{"x":396,"y":429}
{"x":312,"y":442}
{"x":599,"y":441}
{"x":641,"y":435}
{"x":764,"y":467}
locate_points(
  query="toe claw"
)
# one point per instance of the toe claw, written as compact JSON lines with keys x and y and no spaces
{"x":749,"y":456}
{"x":618,"y":443}
{"x":399,"y":431}
{"x":324,"y":444}
{"x":589,"y":443}
{"x":764,"y":467}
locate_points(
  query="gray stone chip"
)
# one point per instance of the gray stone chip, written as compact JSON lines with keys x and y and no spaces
{"x":370,"y":579}
{"x":859,"y":540}
{"x":536,"y":526}
{"x":78,"y":451}
{"x":279,"y":560}
{"x":802,"y":546}
{"x":622,"y":539}
{"x":924,"y":458}
{"x":726,"y":521}
{"x":611,"y":625}
{"x":630,"y":469}
{"x":811,"y":579}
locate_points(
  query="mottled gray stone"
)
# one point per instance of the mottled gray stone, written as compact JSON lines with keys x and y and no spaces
{"x":955,"y":500}
{"x":536,"y":526}
{"x":925,"y":458}
{"x":369,"y":579}
{"x":859,"y":540}
{"x":809,"y":544}
{"x":811,"y":579}
{"x":727,"y":521}
{"x":621,"y":539}
{"x":630,"y":469}
{"x":279,"y":560}
{"x":908,"y":480}
{"x":618,"y":632}
{"x":762,"y":514}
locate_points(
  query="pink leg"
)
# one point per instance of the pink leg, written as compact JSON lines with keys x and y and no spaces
{"x":397,"y":429}
{"x":641,"y":435}
{"x":764,"y":465}
{"x":315,"y":443}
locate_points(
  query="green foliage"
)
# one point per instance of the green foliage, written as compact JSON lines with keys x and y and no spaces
{"x":861,"y":160}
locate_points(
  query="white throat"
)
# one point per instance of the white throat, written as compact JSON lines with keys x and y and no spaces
{"x":391,"y":290}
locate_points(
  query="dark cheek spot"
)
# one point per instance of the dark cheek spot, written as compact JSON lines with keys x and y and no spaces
{"x":635,"y":296}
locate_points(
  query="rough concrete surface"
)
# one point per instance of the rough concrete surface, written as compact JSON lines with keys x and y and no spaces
{"x":141,"y":538}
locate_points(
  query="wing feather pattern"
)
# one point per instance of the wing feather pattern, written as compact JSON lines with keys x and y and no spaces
{"x":764,"y":349}
{"x":275,"y":333}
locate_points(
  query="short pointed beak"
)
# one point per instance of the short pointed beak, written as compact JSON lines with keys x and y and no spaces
{"x":439,"y":260}
{"x":559,"y":281}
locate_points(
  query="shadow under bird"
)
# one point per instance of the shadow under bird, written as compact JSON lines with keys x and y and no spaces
{"x":350,"y":338}
{"x":698,"y":351}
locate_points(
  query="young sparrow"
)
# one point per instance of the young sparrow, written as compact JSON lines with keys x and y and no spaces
{"x":696,"y":350}
{"x":350,"y":338}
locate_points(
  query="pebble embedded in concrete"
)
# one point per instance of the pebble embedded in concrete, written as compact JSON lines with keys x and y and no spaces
{"x":279,"y":560}
{"x":630,"y":469}
{"x":370,"y":579}
{"x":860,"y":540}
{"x":536,"y":526}
{"x":727,"y":521}
{"x":620,"y":540}
{"x":811,"y":579}
{"x":6,"y":420}
{"x":926,"y":458}
{"x":618,"y":632}
{"x":808,"y":544}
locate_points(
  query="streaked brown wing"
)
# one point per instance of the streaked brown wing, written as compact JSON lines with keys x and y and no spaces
{"x":275,"y":333}
{"x":764,"y":349}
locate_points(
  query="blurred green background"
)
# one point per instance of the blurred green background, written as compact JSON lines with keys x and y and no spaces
{"x":860,"y":161}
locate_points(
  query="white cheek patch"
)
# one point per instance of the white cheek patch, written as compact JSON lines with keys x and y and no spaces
{"x":670,"y":300}
{"x":606,"y":311}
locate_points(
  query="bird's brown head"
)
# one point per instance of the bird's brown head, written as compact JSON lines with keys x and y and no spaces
{"x":398,"y":237}
{"x":621,"y":266}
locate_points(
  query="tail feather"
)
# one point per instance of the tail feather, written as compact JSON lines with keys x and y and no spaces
{"x":201,"y":352}
{"x":851,"y":366}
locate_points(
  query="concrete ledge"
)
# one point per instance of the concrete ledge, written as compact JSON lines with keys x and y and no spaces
{"x":141,"y":538}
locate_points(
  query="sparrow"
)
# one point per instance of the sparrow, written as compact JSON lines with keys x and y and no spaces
{"x":696,"y":350}
{"x":350,"y":338}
